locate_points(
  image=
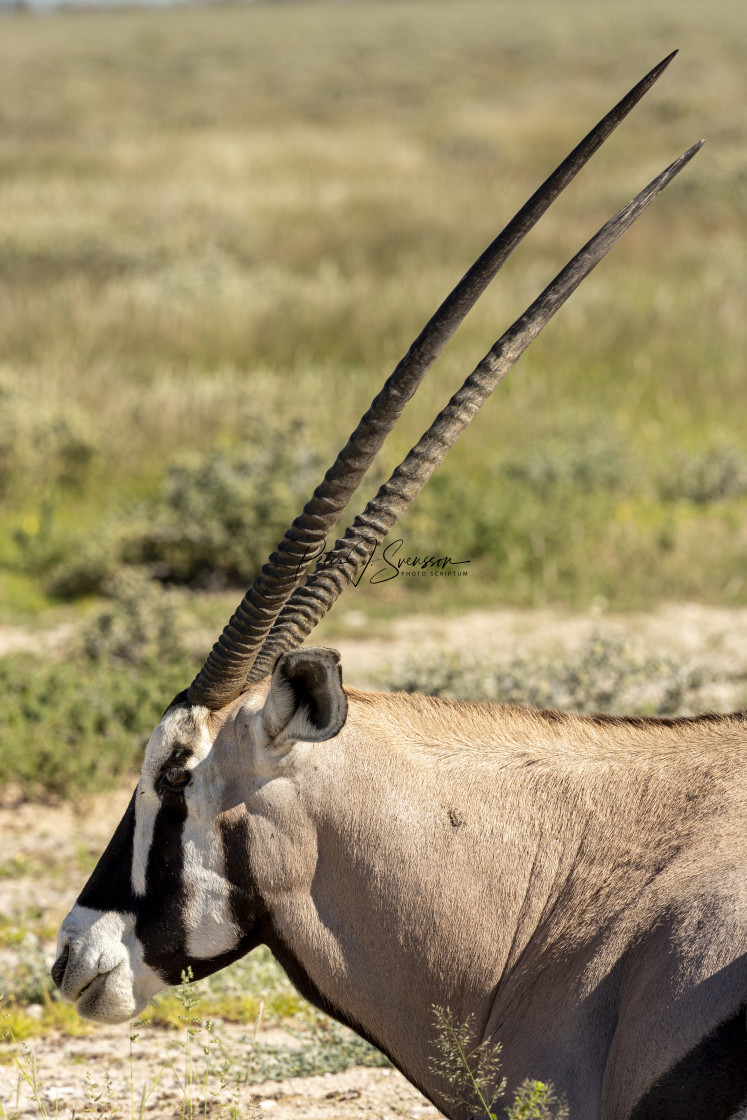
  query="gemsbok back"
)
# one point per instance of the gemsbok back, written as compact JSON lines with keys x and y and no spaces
{"x":575,"y":886}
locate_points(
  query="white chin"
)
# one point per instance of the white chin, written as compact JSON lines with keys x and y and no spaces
{"x":110,"y":999}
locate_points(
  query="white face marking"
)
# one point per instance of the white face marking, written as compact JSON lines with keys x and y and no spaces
{"x":105,"y":971}
{"x":179,"y":728}
{"x":146,"y":808}
{"x":106,"y":975}
{"x":211,"y":930}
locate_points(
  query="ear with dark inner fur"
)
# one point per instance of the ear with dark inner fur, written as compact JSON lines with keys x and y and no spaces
{"x":306,"y":700}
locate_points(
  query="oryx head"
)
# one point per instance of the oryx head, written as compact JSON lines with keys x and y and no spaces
{"x":174,"y":889}
{"x":177,"y":886}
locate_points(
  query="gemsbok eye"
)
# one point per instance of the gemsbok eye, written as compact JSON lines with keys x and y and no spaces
{"x":176,"y":778}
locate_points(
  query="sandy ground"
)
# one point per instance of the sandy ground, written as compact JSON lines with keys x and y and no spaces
{"x":44,"y":851}
{"x":62,"y":1064}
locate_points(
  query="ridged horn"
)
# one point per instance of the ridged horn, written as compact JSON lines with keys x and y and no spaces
{"x":226,"y":670}
{"x":309,"y":603}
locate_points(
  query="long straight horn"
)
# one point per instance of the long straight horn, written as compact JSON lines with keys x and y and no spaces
{"x":309,"y":603}
{"x":226,"y":670}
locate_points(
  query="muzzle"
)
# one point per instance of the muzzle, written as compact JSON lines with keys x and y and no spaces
{"x":100,"y":966}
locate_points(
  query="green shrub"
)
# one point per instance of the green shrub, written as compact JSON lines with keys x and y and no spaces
{"x":29,"y":980}
{"x":83,"y":566}
{"x":41,"y":545}
{"x":141,"y":624}
{"x":42,"y":445}
{"x":220,"y":515}
{"x":706,"y":476}
{"x":536,"y":522}
{"x":590,"y":461}
{"x":76,"y":726}
{"x":608,"y":673}
{"x":215,"y":521}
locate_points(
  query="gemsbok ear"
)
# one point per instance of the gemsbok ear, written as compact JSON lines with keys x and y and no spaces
{"x":306,"y":700}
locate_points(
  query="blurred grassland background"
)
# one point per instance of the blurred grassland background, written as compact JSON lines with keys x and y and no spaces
{"x":220,"y":228}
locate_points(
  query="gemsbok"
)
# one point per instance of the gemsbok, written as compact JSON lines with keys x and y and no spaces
{"x":575,"y":886}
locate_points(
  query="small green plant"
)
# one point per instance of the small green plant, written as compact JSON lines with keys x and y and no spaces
{"x":196,"y":1082}
{"x":471,"y":1069}
{"x":145,"y":1093}
{"x":100,"y":1098}
{"x":535,"y":1100}
{"x":189,"y":999}
{"x":28,"y":1075}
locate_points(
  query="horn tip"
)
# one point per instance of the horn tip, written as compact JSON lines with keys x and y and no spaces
{"x":693,"y":150}
{"x":660,"y":67}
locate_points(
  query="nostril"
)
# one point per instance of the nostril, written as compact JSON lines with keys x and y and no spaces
{"x":59,"y":966}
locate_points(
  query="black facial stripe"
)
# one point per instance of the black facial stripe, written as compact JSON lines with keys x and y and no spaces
{"x":160,"y":914}
{"x":160,"y":924}
{"x":247,"y":907}
{"x":110,"y":884}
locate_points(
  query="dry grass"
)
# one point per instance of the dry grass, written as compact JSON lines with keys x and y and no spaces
{"x":211,"y":212}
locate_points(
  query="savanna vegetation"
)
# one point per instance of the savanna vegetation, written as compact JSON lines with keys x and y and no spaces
{"x":220,"y":228}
